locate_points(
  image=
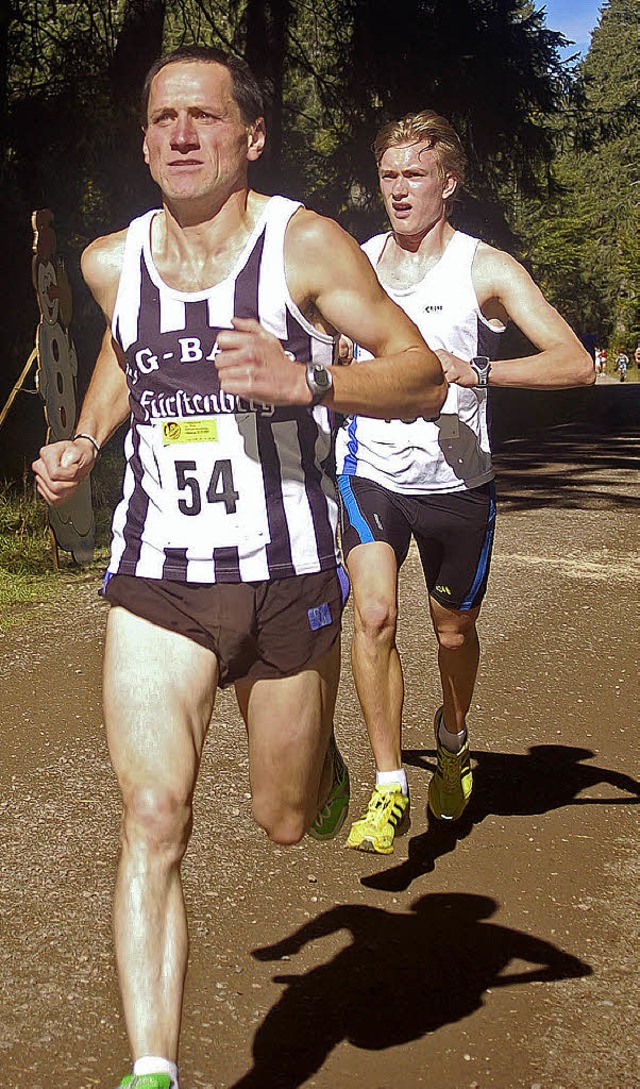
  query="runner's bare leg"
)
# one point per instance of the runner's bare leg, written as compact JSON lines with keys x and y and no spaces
{"x":159,"y":692}
{"x":377,"y":670}
{"x":289,"y":723}
{"x":458,"y":657}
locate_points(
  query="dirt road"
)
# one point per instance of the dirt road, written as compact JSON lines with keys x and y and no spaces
{"x":500,"y":955}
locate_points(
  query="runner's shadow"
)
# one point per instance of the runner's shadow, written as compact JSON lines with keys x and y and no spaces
{"x":401,"y":976}
{"x":506,"y":784}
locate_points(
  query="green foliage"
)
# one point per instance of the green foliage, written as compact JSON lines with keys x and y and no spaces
{"x":106,"y":489}
{"x":334,"y":71}
{"x":27,"y":574}
{"x":552,"y":152}
{"x":23,"y":525}
{"x":25,"y":552}
{"x":491,"y":66}
{"x":584,"y":240}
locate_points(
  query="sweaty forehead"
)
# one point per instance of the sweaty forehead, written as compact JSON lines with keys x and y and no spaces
{"x":418,"y":154}
{"x":188,"y":83}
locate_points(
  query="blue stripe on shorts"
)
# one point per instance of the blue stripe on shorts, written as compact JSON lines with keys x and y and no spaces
{"x":481,"y":572}
{"x":357,"y":521}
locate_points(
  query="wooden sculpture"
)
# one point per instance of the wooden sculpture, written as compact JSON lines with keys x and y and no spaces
{"x":72,"y":523}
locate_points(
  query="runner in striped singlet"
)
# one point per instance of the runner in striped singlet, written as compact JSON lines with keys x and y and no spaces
{"x":222,"y":308}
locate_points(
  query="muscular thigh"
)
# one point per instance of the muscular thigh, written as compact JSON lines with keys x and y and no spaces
{"x":370,"y":513}
{"x":454,"y":534}
{"x":158,"y":698}
{"x":289,"y":720}
{"x":373,"y":569}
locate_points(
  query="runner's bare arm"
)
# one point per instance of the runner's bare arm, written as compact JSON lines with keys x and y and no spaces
{"x":506,"y":291}
{"x":62,"y":466}
{"x":106,"y":404}
{"x":329,"y":277}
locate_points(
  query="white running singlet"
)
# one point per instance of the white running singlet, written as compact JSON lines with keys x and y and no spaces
{"x":216,"y":488}
{"x":450,"y":453}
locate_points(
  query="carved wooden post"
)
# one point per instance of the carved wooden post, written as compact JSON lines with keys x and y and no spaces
{"x":72,"y":524}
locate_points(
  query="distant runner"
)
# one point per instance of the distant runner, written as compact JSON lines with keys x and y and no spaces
{"x":622,"y":365}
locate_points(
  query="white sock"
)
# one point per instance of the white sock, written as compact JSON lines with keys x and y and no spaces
{"x":387,"y":778}
{"x":452,"y":742}
{"x":153,"y":1064}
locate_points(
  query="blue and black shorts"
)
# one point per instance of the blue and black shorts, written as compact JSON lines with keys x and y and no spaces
{"x":453,"y":532}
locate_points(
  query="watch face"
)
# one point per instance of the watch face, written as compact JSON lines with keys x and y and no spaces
{"x":321,"y":377}
{"x":319,"y":381}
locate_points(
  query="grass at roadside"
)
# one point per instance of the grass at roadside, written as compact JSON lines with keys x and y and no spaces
{"x":27,"y":575}
{"x":26,"y":567}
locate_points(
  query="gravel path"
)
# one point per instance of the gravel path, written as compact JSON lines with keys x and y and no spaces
{"x":499,"y":955}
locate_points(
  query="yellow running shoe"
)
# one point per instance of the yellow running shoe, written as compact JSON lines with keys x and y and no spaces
{"x":387,"y":816}
{"x":451,"y":786}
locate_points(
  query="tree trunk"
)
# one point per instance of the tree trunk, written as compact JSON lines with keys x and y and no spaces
{"x":267,"y":23}
{"x":139,"y":43}
{"x":6,"y":15}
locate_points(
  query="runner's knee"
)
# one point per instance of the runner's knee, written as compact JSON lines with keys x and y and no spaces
{"x":284,"y":825}
{"x":451,"y":640}
{"x":454,"y":637}
{"x":157,"y":820}
{"x":376,"y":618}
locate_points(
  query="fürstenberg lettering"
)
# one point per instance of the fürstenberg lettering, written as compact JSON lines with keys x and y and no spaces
{"x":159,"y":405}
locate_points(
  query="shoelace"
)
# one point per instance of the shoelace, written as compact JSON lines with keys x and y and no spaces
{"x":451,"y":767}
{"x":338,"y":774}
{"x":382,"y":807}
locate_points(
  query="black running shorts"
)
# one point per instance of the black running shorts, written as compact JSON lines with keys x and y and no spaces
{"x":454,"y":533}
{"x":256,"y":630}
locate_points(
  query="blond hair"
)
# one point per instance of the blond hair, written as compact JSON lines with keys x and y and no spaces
{"x":431,"y":129}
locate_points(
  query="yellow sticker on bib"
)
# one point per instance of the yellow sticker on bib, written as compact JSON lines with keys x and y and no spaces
{"x":203,"y":429}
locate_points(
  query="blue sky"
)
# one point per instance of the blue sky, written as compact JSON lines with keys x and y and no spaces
{"x":574,"y":18}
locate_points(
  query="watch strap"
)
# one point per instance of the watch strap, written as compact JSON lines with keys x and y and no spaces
{"x":482,"y":366}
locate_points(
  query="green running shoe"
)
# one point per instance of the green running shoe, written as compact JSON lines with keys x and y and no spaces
{"x":334,"y":811}
{"x":387,"y":816}
{"x":146,"y":1081}
{"x":451,"y":786}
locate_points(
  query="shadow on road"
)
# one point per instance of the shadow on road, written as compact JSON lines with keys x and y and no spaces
{"x":548,"y":777}
{"x":402,"y":975}
{"x":570,"y":468}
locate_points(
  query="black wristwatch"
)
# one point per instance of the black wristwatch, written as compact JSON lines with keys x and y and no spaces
{"x":482,"y":366}
{"x":319,"y":381}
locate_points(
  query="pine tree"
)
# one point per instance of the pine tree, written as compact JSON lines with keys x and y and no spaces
{"x":584,"y":238}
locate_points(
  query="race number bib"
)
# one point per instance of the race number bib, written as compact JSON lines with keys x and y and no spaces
{"x":211,"y":480}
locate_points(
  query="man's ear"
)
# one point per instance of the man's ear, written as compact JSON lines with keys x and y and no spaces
{"x":450,"y":186}
{"x":145,"y":146}
{"x":256,"y":137}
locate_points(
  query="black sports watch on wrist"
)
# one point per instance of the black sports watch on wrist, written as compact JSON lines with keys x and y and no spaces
{"x":319,"y":381}
{"x":482,"y":366}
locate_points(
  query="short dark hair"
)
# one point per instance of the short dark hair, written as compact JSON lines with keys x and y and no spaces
{"x":246,"y":90}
